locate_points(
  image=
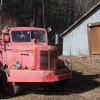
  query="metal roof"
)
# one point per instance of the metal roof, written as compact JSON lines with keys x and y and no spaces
{"x":80,"y":20}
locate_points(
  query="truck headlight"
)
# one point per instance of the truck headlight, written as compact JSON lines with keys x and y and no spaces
{"x":17,"y":64}
{"x":66,"y":63}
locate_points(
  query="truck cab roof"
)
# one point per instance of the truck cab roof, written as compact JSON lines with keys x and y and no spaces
{"x":24,"y":28}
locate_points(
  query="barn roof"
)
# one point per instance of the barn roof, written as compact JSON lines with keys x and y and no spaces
{"x":82,"y":19}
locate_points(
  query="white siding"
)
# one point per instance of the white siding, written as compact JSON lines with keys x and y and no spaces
{"x":76,"y":42}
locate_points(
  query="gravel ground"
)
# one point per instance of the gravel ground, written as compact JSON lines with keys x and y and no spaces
{"x":85,"y":84}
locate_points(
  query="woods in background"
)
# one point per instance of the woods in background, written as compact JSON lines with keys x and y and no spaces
{"x":58,"y":14}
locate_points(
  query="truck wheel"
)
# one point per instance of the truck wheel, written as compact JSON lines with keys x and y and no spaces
{"x":9,"y":88}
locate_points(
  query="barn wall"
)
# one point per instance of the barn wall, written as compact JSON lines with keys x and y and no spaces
{"x":76,"y":42}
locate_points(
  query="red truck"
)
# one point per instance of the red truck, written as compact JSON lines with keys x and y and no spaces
{"x":25,"y":56}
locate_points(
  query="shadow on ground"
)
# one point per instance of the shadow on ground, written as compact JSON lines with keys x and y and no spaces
{"x":80,"y":83}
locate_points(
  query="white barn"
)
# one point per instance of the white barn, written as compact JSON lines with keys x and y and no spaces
{"x":82,"y":38}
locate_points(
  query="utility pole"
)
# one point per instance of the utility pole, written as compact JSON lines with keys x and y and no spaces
{"x":43,"y":13}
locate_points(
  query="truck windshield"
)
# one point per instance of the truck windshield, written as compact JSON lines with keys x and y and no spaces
{"x":21,"y":36}
{"x":40,"y":35}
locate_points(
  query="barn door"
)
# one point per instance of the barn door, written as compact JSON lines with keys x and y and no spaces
{"x":95,"y":40}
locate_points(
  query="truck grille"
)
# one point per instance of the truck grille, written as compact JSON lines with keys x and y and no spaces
{"x":44,"y":59}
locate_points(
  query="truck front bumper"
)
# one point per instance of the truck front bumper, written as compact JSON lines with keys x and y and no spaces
{"x":39,"y":76}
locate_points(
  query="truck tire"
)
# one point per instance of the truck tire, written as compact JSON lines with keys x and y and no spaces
{"x":9,"y":88}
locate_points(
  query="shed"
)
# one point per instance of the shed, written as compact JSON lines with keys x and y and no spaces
{"x":83,"y":37}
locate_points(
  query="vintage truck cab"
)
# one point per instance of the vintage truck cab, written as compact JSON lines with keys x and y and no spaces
{"x":26,"y":57}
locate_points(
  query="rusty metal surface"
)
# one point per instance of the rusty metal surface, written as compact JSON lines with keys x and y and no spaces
{"x":44,"y":59}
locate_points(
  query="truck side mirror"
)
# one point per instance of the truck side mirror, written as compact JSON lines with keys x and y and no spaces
{"x":56,"y":38}
{"x":49,"y":29}
{"x":6,"y":38}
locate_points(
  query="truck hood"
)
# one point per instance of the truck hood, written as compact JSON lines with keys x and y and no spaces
{"x":31,"y":47}
{"x":30,"y":55}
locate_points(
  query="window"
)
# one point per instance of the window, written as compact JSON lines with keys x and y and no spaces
{"x":40,"y":35}
{"x":21,"y":36}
